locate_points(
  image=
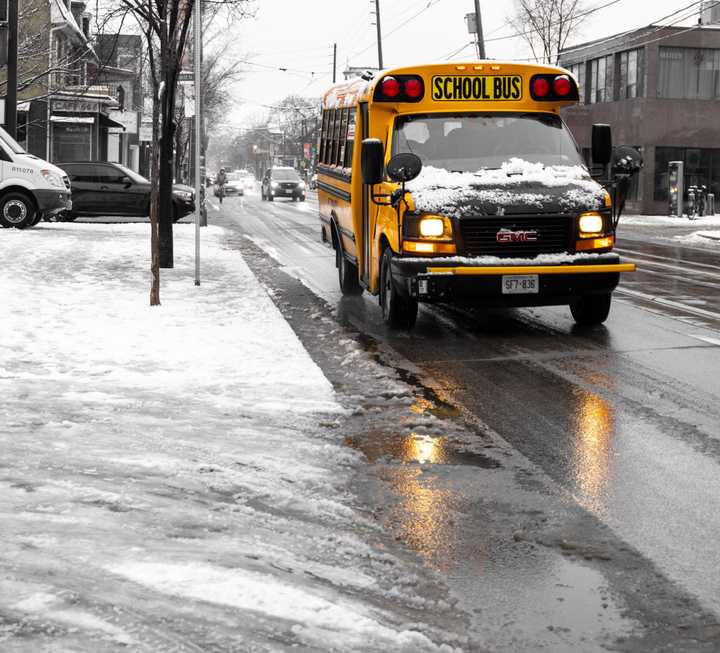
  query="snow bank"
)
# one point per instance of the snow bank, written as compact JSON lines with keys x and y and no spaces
{"x":165,"y":474}
{"x":517,"y":182}
{"x":670,"y":221}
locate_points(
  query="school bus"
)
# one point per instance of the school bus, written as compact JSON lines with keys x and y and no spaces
{"x":461,"y":183}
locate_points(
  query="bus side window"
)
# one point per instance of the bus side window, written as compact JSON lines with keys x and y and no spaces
{"x":323,"y":137}
{"x":350,"y":139}
{"x":342,"y":136}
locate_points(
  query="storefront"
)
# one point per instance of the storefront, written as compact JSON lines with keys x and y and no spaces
{"x":79,"y":129}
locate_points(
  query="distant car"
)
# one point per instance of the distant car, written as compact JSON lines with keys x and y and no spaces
{"x":248,"y":179}
{"x":282,"y":182}
{"x":313,"y":182}
{"x":234,"y":184}
{"x":101,"y":188}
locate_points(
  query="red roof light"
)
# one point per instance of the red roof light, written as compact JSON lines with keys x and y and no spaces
{"x":562,"y":85}
{"x":413,"y":88}
{"x":540,"y":87}
{"x":390,"y":87}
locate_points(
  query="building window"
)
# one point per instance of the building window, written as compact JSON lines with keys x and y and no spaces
{"x":578,"y":72}
{"x":702,"y":168}
{"x":632,"y":74}
{"x":602,"y":79}
{"x":689,"y":73}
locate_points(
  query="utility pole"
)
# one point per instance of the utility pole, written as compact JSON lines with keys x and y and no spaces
{"x":11,"y":93}
{"x":379,"y":35}
{"x":334,"y":61}
{"x":480,"y":40}
{"x":197,"y":40}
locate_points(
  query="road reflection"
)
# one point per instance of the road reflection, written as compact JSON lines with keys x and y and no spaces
{"x":594,"y":430}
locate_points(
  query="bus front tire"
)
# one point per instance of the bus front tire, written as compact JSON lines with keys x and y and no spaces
{"x":398,"y":311}
{"x":591,"y":309}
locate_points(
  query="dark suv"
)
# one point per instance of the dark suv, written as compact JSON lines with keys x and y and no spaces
{"x":282,"y":182}
{"x":102,"y":188}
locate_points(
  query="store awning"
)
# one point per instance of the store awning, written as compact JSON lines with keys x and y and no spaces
{"x":73,"y":119}
{"x":109,"y":122}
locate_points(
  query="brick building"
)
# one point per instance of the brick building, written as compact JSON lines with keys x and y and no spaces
{"x":659,"y":88}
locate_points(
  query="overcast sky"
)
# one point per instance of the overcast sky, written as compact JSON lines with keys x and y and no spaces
{"x":299,"y":35}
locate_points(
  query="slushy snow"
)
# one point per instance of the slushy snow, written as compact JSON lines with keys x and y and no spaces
{"x":166,"y":481}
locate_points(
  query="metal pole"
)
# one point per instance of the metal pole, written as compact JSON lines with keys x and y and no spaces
{"x":334,"y":61}
{"x":197,"y":40}
{"x":379,"y":35}
{"x":11,"y":93}
{"x":479,"y":35}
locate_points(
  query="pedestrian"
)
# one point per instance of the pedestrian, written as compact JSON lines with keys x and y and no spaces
{"x":220,"y":182}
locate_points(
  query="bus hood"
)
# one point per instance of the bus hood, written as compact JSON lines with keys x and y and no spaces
{"x":516,"y":187}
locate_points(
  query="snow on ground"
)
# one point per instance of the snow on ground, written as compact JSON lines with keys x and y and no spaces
{"x":170,"y":478}
{"x":680,"y":231}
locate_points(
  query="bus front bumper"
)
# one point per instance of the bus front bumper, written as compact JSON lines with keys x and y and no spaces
{"x":528,"y":284}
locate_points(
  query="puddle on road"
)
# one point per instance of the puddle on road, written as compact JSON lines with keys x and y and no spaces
{"x":416,"y":448}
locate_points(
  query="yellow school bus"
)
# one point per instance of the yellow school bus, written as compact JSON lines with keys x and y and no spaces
{"x":461,"y":183}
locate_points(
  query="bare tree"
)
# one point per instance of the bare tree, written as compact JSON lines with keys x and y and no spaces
{"x":546,"y":25}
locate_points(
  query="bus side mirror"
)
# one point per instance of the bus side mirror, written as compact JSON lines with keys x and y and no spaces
{"x":372,"y":161}
{"x":601,"y":144}
{"x":404,"y":167}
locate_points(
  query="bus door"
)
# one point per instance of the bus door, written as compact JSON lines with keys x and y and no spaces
{"x":365,"y":276}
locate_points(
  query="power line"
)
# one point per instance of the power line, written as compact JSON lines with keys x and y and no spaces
{"x":431,"y":3}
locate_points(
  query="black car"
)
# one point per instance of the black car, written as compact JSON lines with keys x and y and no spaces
{"x":101,"y":188}
{"x":282,"y":182}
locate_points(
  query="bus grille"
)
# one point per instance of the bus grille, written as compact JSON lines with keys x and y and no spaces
{"x":553,"y":234}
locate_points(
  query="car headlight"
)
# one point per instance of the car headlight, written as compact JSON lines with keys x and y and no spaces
{"x":301,"y":185}
{"x":590,"y":224}
{"x":274,"y":184}
{"x":53,"y":178}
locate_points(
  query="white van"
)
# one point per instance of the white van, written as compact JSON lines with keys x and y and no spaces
{"x":30,"y":188}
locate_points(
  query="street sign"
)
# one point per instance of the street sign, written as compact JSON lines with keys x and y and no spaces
{"x":145,"y":133}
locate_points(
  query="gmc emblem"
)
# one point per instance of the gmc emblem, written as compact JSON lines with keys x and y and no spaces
{"x":507,"y":236}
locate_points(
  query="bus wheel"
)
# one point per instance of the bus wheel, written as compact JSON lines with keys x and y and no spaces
{"x":16,"y":210}
{"x":347,"y":275}
{"x":398,"y":312}
{"x":591,"y":309}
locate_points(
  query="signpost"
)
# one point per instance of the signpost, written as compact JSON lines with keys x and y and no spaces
{"x":197,"y":40}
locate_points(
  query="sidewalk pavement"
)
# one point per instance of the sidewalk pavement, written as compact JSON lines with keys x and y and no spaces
{"x":170,"y":479}
{"x":699,"y":232}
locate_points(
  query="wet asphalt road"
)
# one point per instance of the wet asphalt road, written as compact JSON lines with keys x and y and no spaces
{"x":624,"y":419}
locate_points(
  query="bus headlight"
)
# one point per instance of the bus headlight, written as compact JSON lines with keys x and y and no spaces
{"x":432,"y":227}
{"x":590,"y":224}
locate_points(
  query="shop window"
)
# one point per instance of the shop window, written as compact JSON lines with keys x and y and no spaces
{"x":578,"y":72}
{"x":690,"y":73}
{"x":701,"y":168}
{"x":631,"y":83}
{"x":602,"y":76}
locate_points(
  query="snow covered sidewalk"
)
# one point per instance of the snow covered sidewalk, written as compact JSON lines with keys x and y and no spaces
{"x":169,"y":477}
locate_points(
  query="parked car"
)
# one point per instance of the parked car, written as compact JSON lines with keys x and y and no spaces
{"x":30,"y":188}
{"x":102,"y":188}
{"x":282,"y":182}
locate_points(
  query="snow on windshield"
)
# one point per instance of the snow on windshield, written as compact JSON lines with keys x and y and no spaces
{"x":515,"y":183}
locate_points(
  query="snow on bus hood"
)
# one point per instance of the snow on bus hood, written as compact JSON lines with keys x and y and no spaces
{"x":515,"y":187}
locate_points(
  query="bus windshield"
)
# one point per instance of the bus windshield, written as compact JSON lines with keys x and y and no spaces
{"x":471,"y":142}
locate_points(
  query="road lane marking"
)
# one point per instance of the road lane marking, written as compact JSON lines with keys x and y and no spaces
{"x":677,"y":268}
{"x":712,"y":341}
{"x":700,"y":312}
{"x":622,"y":250}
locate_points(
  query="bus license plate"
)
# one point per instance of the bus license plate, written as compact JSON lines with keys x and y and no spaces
{"x":520,"y":284}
